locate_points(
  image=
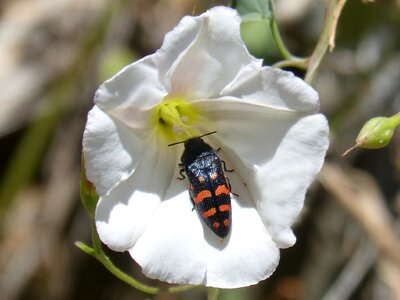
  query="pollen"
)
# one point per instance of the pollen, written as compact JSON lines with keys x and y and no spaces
{"x":177,"y":119}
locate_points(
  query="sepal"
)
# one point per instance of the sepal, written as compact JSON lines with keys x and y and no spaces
{"x":89,"y":196}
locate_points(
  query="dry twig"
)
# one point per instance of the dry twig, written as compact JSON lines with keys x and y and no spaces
{"x":336,"y":14}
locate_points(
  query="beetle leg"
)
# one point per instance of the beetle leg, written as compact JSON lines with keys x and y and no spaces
{"x":230,"y":187}
{"x":181,"y":171}
{"x":191,"y":199}
{"x":224,"y":166}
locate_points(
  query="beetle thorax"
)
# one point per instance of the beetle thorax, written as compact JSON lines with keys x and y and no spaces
{"x":194,"y":148}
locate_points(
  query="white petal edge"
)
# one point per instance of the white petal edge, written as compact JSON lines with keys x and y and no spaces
{"x":132,"y":91}
{"x":111,"y":151}
{"x":287,"y":176}
{"x":204,"y":67}
{"x":273,"y":87}
{"x":171,"y":248}
{"x":123,"y":214}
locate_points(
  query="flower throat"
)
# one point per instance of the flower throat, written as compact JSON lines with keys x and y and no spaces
{"x":176,"y":119}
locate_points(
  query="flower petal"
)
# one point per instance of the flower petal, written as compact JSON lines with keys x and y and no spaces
{"x":252,"y":131}
{"x":123,"y":214}
{"x":111,"y":151}
{"x":278,"y":153}
{"x":178,"y":247}
{"x":131,"y":92}
{"x":285,"y":179}
{"x":199,"y":65}
{"x":171,"y":248}
{"x":248,"y":255}
{"x":273,"y":87}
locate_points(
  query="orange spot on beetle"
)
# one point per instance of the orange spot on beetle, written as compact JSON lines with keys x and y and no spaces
{"x":209,"y":213}
{"x":226,"y":223}
{"x":216,"y":225}
{"x":201,"y":179}
{"x":224,"y":207}
{"x":222,"y":189}
{"x":202,"y":195}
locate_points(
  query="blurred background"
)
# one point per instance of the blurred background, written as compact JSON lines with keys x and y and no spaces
{"x":53,"y":56}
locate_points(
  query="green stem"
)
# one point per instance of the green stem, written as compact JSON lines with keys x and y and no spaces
{"x":97,"y":252}
{"x":290,"y":60}
{"x":333,"y":12}
{"x":277,"y":36}
{"x":395,"y":119}
{"x":96,"y":239}
{"x":279,"y":41}
{"x":300,"y":63}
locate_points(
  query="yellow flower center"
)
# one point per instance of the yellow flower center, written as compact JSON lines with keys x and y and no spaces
{"x":176,"y":119}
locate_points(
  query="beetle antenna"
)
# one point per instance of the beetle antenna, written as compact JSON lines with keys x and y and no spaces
{"x":212,"y":132}
{"x":176,"y":143}
{"x":181,"y":142}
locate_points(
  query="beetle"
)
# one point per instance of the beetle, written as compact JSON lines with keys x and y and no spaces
{"x":209,"y":188}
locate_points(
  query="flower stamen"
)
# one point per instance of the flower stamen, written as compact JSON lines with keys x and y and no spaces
{"x":177,"y":119}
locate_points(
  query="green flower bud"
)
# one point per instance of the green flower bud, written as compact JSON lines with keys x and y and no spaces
{"x":255,"y":29}
{"x":376,"y":133}
{"x":89,"y":196}
{"x":258,"y":38}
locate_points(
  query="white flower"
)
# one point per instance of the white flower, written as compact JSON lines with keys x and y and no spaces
{"x":269,"y":131}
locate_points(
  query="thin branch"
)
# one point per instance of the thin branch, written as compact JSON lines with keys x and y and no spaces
{"x":333,"y":12}
{"x":336,"y":14}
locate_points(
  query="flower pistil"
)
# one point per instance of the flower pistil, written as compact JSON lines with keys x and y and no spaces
{"x":177,"y":119}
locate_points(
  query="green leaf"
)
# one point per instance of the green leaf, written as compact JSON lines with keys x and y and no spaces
{"x":254,"y":9}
